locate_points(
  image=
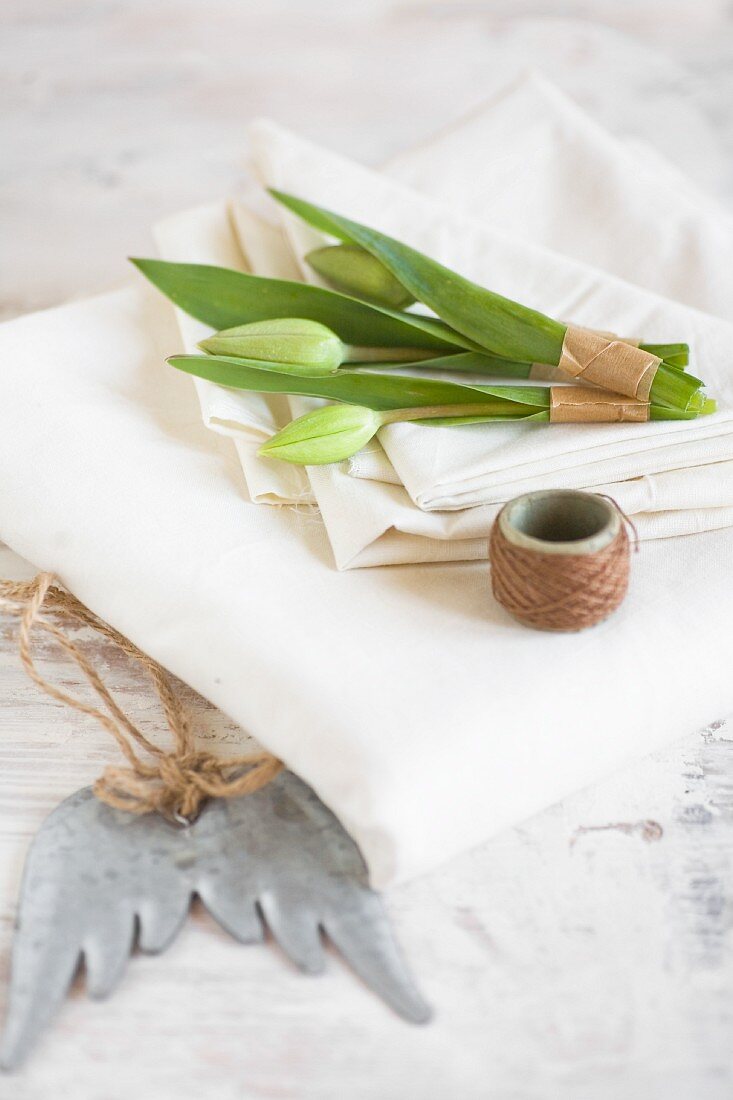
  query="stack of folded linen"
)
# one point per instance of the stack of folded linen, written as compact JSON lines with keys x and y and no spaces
{"x":399,"y":694}
{"x":549,"y":193}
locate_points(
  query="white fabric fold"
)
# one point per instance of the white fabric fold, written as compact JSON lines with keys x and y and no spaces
{"x":214,"y":234}
{"x":446,"y":469}
{"x":368,"y":524}
{"x":532,"y":163}
{"x":380,"y":524}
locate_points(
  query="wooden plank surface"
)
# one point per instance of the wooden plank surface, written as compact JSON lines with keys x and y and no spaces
{"x":587,"y":954}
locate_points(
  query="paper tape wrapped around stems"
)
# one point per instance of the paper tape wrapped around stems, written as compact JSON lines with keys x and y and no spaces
{"x":546,"y":372}
{"x":633,"y":341}
{"x":590,"y":405}
{"x":610,"y":363}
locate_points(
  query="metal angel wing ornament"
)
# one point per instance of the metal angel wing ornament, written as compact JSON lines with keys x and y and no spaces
{"x":118,"y":865}
{"x":96,"y":879}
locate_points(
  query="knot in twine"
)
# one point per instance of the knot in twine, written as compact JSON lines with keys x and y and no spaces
{"x":174,"y":783}
{"x":566,"y":592}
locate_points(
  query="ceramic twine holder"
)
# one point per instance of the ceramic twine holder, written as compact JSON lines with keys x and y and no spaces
{"x":559,"y":559}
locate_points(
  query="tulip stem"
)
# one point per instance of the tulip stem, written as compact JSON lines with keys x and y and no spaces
{"x":431,"y":412}
{"x":356,"y":354}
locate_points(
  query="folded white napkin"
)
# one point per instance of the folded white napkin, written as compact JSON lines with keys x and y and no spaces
{"x":376,"y":525}
{"x":367,"y":523}
{"x":532,"y":163}
{"x":207,"y":235}
{"x":447,"y":468}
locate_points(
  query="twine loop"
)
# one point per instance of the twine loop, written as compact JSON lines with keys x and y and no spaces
{"x":174,"y":783}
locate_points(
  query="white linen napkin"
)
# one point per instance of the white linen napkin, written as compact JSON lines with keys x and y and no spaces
{"x":367,"y":524}
{"x":531,"y":162}
{"x":377,"y":525}
{"x":206,"y":235}
{"x":370,"y":524}
{"x":446,"y":468}
{"x":401,"y":695}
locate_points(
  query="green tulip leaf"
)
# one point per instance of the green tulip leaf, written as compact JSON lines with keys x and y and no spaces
{"x":224,"y":299}
{"x":366,"y":388}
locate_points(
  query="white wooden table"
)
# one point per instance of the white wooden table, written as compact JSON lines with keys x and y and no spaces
{"x":586,"y":955}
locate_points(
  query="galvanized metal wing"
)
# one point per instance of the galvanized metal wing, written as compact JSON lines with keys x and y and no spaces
{"x":288,"y":854}
{"x":91,"y":874}
{"x":97,"y":880}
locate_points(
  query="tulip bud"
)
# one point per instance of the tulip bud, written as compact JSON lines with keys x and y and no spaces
{"x":328,"y":434}
{"x":296,"y":345}
{"x":353,"y":270}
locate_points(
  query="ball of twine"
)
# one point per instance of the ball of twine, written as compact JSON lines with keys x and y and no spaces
{"x":555,"y":591}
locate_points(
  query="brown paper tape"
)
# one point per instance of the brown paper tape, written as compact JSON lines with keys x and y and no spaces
{"x":583,"y":405}
{"x":612,"y":364}
{"x":634,"y":341}
{"x":545,"y":372}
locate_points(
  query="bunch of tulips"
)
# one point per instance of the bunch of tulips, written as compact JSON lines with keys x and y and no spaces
{"x":352,"y":342}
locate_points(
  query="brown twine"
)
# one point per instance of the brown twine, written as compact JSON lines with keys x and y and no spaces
{"x":172,"y":783}
{"x":559,"y":591}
